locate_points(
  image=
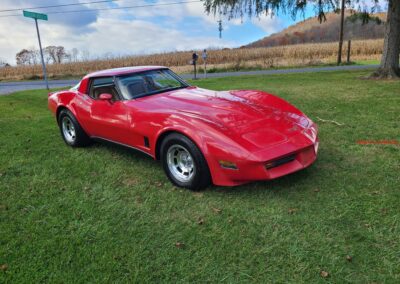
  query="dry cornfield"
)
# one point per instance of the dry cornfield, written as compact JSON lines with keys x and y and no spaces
{"x":224,"y":59}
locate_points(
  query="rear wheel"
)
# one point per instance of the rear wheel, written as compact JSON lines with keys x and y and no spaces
{"x":71,"y":131}
{"x":183,"y":162}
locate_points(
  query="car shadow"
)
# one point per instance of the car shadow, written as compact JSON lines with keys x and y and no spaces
{"x":279,"y":186}
{"x":123,"y":150}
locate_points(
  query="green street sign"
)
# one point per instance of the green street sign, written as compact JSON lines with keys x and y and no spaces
{"x":39,"y":16}
{"x":34,"y":15}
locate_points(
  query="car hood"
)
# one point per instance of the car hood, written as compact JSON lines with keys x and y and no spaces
{"x":250,"y":117}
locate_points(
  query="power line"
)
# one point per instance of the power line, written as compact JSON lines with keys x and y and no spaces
{"x":111,"y":8}
{"x":60,"y":5}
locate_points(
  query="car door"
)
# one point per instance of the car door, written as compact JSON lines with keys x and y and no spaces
{"x":108,"y":118}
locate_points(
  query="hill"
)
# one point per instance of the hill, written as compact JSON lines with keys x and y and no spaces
{"x":312,"y":31}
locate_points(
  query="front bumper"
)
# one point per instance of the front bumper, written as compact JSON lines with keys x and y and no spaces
{"x":272,"y":163}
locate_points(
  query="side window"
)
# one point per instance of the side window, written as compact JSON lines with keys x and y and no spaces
{"x":101,"y":86}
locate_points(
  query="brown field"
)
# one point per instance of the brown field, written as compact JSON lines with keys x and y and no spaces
{"x":226,"y":59}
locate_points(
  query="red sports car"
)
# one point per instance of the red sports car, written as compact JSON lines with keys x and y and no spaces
{"x":201,"y":136}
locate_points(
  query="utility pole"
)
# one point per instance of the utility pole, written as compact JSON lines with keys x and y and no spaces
{"x":39,"y":16}
{"x":220,"y":28}
{"x":339,"y":59}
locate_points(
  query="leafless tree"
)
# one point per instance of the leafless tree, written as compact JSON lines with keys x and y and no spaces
{"x":74,"y":54}
{"x":55,"y":53}
{"x":27,"y":57}
{"x":51,"y":52}
{"x":85,"y":55}
{"x":60,"y":53}
{"x":3,"y":62}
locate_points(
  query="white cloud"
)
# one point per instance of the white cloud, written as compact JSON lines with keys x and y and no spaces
{"x":139,"y":36}
{"x":120,"y":31}
{"x":115,"y":31}
{"x":268,"y":25}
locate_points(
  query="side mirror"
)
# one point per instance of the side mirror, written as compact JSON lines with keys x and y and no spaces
{"x":105,"y":97}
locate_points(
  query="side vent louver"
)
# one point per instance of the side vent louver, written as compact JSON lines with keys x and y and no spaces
{"x":146,"y":142}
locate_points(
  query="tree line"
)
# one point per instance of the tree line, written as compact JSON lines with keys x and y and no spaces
{"x":52,"y":55}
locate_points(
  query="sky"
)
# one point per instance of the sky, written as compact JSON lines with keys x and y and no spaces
{"x":133,"y":31}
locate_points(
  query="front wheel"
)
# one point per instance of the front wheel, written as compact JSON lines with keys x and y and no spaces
{"x":71,"y":131}
{"x":183,"y":163}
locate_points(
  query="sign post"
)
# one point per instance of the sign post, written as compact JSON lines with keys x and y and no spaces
{"x":38,"y":16}
{"x":204,"y":56}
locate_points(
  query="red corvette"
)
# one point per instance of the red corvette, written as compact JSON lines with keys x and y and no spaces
{"x":201,"y":136}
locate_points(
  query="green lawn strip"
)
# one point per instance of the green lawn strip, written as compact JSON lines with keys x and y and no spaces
{"x":108,"y":214}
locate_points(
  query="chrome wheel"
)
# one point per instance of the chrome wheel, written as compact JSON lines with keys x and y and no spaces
{"x":180,"y":163}
{"x":68,"y":129}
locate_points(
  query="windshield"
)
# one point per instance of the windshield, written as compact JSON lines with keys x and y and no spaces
{"x":147,"y":83}
{"x":76,"y":87}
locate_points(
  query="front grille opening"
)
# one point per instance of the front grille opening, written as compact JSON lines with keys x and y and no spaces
{"x":280,"y":161}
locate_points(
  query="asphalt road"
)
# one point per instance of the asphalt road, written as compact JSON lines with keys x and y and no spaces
{"x":10,"y":87}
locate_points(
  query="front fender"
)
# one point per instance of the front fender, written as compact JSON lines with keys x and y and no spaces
{"x":214,"y":144}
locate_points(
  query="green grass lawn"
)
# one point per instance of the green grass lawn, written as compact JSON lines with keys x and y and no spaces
{"x":108,"y":214}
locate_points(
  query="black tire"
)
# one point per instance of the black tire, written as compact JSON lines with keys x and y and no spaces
{"x":80,"y":138}
{"x":200,"y":177}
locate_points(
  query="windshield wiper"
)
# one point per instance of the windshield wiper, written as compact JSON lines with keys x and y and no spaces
{"x":160,"y":91}
{"x":171,"y":89}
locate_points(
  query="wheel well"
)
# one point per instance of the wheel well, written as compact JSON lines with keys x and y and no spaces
{"x":59,"y":109}
{"x":160,"y":140}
